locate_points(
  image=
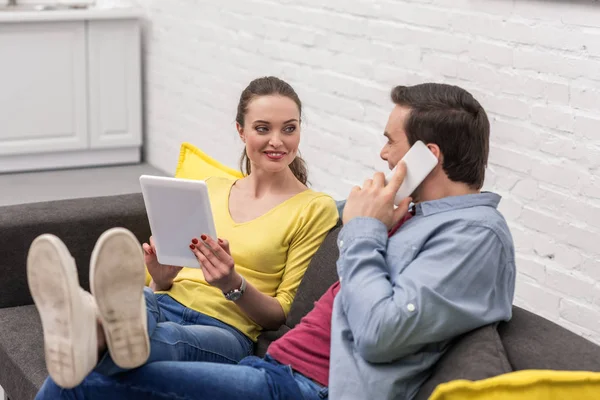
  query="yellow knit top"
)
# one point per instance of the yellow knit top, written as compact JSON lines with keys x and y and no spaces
{"x":272,"y":252}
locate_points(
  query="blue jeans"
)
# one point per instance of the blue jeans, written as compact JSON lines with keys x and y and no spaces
{"x":253,"y":379}
{"x":178,"y":333}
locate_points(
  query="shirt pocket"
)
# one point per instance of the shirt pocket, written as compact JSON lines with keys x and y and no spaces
{"x":400,"y":253}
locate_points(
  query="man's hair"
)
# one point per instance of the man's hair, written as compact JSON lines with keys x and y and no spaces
{"x":451,"y":118}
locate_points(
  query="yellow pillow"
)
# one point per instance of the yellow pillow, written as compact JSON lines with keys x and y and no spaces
{"x":195,"y":164}
{"x":524,"y":385}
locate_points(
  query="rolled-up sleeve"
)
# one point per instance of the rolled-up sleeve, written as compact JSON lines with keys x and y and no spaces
{"x":460,"y":280}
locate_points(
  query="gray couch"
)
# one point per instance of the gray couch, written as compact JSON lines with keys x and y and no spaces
{"x":527,"y":341}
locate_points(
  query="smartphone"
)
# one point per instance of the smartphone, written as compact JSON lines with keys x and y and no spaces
{"x":419,"y":161}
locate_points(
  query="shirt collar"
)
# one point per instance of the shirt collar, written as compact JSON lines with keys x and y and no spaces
{"x":485,"y":199}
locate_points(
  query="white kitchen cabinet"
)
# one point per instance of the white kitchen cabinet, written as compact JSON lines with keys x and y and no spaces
{"x":70,"y":89}
{"x":114,"y":84}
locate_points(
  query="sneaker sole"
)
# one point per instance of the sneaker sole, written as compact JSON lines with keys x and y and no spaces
{"x":54,"y":286}
{"x":117,"y":278}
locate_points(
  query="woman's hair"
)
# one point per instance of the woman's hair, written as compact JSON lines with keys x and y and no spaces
{"x":269,"y":86}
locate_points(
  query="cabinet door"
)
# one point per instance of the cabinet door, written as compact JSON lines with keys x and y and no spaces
{"x":43,"y":105}
{"x":114,"y":83}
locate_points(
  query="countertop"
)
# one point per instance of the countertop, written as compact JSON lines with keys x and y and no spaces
{"x":29,"y":14}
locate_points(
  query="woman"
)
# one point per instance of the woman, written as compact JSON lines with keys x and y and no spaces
{"x":274,"y":224}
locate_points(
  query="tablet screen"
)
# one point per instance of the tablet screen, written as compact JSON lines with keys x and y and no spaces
{"x":178,"y":210}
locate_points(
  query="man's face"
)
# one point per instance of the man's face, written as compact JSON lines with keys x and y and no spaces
{"x":397,"y":143}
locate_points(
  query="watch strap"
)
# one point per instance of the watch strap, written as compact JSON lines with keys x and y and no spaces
{"x":236,"y":293}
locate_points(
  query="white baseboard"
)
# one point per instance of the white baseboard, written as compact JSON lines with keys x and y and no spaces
{"x":69,"y":159}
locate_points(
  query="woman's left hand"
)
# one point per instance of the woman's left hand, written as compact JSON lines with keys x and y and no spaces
{"x":216,"y":262}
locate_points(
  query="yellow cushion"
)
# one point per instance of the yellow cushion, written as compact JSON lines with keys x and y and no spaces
{"x":527,"y":384}
{"x":195,"y":164}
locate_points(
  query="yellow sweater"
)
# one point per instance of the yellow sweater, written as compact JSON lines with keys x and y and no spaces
{"x":272,"y":252}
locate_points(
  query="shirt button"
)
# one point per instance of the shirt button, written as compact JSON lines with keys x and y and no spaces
{"x":410,"y":307}
{"x":341,"y":243}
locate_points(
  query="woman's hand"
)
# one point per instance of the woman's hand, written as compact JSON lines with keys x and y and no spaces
{"x":218,"y":267}
{"x":162,"y":275}
{"x":216,"y":262}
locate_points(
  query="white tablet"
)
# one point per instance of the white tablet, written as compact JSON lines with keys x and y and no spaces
{"x":178,"y":210}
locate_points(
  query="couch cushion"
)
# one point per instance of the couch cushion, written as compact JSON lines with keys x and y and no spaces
{"x":477,"y":355}
{"x":78,"y":222}
{"x":319,"y":276}
{"x":533,"y":342}
{"x":22,"y":366}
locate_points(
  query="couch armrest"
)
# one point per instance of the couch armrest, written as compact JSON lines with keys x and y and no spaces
{"x":78,"y":222}
{"x":533,"y":342}
{"x":265,"y":339}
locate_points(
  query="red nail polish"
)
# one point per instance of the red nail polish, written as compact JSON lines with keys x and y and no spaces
{"x":203,"y":237}
{"x":220,"y":241}
{"x":192,"y":246}
{"x":195,"y":241}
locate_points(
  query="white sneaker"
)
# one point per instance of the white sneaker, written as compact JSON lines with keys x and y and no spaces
{"x":117,"y":277}
{"x":67,"y":311}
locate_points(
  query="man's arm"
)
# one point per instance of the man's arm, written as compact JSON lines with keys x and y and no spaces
{"x":459,"y":281}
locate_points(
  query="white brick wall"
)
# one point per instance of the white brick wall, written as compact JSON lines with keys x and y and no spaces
{"x":535,"y":66}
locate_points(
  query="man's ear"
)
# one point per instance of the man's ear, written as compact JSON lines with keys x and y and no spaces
{"x":435,"y":149}
{"x":240,"y":130}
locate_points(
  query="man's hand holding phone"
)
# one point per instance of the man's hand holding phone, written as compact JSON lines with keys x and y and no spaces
{"x":376,"y":199}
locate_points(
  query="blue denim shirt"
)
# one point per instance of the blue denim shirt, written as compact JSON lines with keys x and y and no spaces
{"x":448,"y":270}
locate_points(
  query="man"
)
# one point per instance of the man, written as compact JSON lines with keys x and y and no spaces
{"x":409,"y":283}
{"x":448,"y":270}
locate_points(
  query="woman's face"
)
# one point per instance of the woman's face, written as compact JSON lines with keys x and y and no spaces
{"x":271,"y":132}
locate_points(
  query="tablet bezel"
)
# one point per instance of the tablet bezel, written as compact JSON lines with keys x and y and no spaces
{"x":194,"y":217}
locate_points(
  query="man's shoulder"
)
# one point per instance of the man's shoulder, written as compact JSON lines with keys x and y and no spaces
{"x":471,"y":224}
{"x":474,"y":215}
{"x":485,"y":218}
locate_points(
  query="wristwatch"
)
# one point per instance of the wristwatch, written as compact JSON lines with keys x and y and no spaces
{"x":235,"y":294}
